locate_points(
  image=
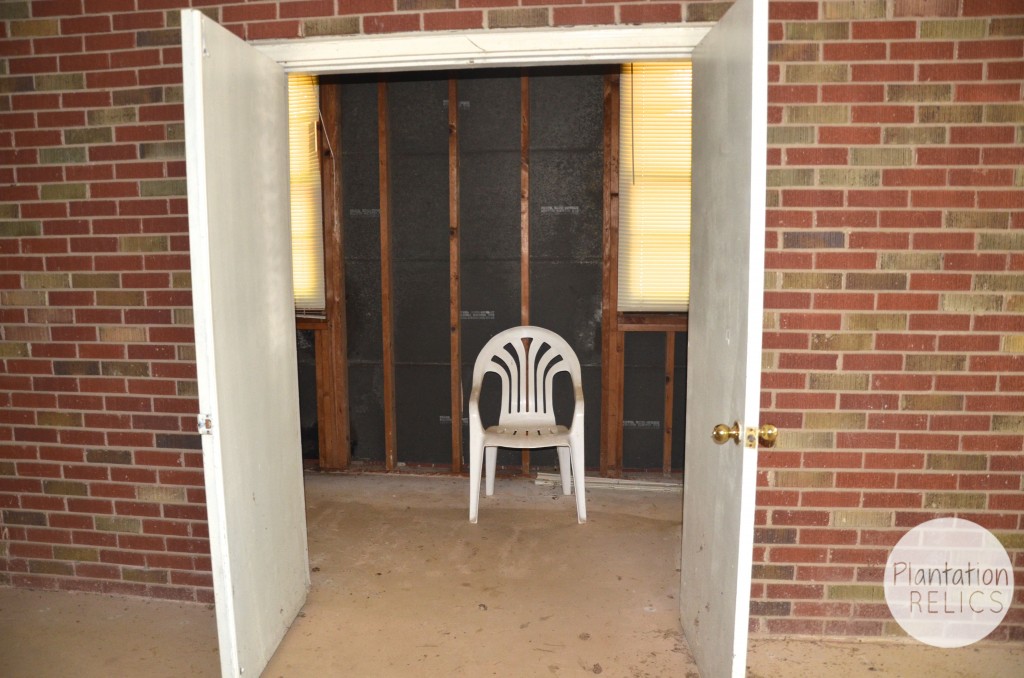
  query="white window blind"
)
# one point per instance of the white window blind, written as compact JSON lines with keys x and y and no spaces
{"x":304,"y":172}
{"x":655,"y":134}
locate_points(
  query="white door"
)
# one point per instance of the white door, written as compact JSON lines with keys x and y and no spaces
{"x":236,"y":149}
{"x":724,"y":369}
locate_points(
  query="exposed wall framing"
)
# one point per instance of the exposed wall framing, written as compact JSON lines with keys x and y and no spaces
{"x":386,"y":305}
{"x":615,"y":325}
{"x":332,"y":361}
{"x":670,"y":369}
{"x":524,"y":218}
{"x":612,"y":345}
{"x":330,"y":332}
{"x":454,"y":268}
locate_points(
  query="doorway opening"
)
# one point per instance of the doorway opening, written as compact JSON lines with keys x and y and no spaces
{"x":716,"y":551}
{"x":501,"y":212}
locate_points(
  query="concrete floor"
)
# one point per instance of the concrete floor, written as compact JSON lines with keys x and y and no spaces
{"x":404,"y":586}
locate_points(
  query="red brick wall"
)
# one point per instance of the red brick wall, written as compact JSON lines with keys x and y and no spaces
{"x":894,"y":331}
{"x":894,"y":341}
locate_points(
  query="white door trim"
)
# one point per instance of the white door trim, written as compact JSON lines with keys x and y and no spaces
{"x":485,"y":48}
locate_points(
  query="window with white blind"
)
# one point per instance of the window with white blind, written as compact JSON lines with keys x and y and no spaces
{"x":304,"y":173}
{"x":655,"y":136}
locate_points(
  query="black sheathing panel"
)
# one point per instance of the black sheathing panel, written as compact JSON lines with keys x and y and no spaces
{"x":423,"y":407}
{"x":566,"y":171}
{"x":679,"y":403}
{"x":566,"y":168}
{"x":422,"y":356}
{"x":419,"y":171}
{"x":567,"y":107}
{"x":566,"y":298}
{"x":420,"y":266}
{"x":419,"y":116}
{"x":489,"y":165}
{"x":566,"y":194}
{"x":644,"y":401}
{"x":359,"y":171}
{"x":308,"y":421}
{"x":366,"y":411}
{"x":489,"y":169}
{"x":360,"y":218}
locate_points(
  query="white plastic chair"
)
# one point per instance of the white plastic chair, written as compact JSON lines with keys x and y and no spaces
{"x":527,"y":370}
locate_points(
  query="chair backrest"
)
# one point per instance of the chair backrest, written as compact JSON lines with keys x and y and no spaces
{"x":526,"y":359}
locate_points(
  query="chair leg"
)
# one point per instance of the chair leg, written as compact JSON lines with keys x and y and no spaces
{"x":564,"y":468}
{"x":491,"y":458}
{"x":579,"y":484}
{"x":475,"y":467}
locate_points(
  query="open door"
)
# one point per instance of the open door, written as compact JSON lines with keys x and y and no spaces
{"x":724,"y":372}
{"x":236,"y":137}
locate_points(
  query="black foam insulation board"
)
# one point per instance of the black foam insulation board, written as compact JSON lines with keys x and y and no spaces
{"x":565,"y":220}
{"x":308,"y":423}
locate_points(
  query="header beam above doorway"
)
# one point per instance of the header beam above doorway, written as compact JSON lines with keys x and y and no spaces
{"x":484,"y":49}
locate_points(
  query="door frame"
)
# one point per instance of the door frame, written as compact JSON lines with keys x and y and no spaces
{"x":484,"y":49}
{"x":488,"y":49}
{"x":465,"y":50}
{"x":505,"y":48}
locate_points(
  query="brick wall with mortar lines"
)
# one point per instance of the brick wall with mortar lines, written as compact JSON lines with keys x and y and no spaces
{"x":893,"y":350}
{"x":893,"y":341}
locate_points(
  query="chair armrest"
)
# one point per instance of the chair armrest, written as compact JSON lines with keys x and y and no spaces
{"x":474,"y":406}
{"x":577,"y":412}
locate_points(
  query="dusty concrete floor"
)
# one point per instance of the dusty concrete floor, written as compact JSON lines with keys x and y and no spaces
{"x":404,"y":586}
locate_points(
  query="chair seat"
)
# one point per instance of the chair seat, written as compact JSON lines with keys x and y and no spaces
{"x":526,"y":435}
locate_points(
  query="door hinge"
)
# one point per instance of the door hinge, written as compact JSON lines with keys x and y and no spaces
{"x":205,"y":422}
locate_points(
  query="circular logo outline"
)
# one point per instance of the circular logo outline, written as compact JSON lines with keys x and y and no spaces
{"x":948,"y":582}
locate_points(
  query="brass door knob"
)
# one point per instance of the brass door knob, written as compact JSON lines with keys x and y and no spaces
{"x":723,"y":433}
